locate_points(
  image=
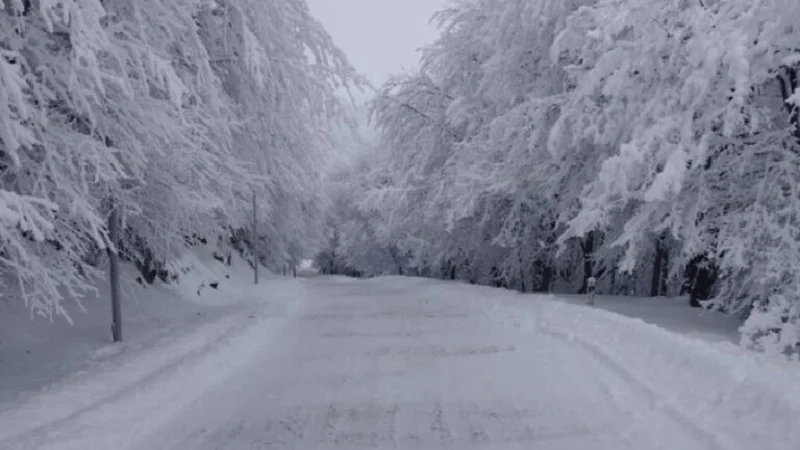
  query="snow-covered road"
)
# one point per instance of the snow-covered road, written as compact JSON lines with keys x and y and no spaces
{"x":398,"y":366}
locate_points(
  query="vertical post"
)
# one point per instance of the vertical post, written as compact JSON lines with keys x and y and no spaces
{"x":255,"y":240}
{"x":113,"y":268}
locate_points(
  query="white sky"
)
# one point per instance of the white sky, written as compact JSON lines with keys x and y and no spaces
{"x":380,"y":37}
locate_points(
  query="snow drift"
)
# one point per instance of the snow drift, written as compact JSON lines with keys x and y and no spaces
{"x":749,"y":399}
{"x":60,"y":375}
{"x":36,"y":355}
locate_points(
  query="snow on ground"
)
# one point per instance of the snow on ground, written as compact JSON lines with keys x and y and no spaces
{"x":108,"y":406}
{"x":37,"y":356}
{"x":742,"y":400}
{"x":329,"y":362}
{"x":670,"y":313}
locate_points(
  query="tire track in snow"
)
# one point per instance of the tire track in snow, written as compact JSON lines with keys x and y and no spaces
{"x":447,"y":387}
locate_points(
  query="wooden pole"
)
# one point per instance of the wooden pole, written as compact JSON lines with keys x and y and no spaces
{"x":255,"y":240}
{"x":113,"y":268}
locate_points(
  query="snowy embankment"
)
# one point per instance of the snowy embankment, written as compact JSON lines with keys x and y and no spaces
{"x":54,"y":373}
{"x":740,"y":399}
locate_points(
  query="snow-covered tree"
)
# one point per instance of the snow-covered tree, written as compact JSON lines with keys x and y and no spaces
{"x":698,"y":101}
{"x":131,"y":106}
{"x":285,"y":102}
{"x":651,"y":144}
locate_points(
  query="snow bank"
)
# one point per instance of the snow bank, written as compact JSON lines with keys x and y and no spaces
{"x":58,"y":382}
{"x":150,"y":386}
{"x":749,"y":400}
{"x":672,"y":314}
{"x":37,"y":356}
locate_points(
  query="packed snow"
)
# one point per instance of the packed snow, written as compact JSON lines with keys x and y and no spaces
{"x":392,"y":362}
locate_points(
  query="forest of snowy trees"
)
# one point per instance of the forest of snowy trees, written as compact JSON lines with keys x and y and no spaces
{"x":171,"y":113}
{"x":653,"y":144}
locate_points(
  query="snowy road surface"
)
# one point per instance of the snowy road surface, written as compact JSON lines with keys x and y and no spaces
{"x":393,"y":366}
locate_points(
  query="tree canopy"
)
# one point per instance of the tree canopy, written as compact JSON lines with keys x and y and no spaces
{"x":652,"y":144}
{"x":171,"y":112}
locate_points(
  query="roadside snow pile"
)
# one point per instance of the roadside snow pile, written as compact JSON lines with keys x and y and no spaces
{"x":670,"y":313}
{"x":58,"y":380}
{"x":148,"y":386}
{"x":35,"y":354}
{"x":747,"y":399}
{"x":90,"y":389}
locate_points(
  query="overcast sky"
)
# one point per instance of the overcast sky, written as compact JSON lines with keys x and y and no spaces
{"x":379,"y":36}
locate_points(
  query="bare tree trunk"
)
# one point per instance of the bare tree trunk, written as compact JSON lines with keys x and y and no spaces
{"x":613,"y":282}
{"x":665,"y":274}
{"x":701,"y":275}
{"x":587,"y":246}
{"x":658,"y":283}
{"x":547,"y":276}
{"x":789,"y":83}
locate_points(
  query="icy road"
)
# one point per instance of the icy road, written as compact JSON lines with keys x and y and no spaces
{"x":391,"y":366}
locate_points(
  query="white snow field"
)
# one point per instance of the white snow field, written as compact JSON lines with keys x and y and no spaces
{"x":397,"y":363}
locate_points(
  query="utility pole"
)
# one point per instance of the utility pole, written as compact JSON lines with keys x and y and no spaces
{"x":255,"y":240}
{"x":113,"y":268}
